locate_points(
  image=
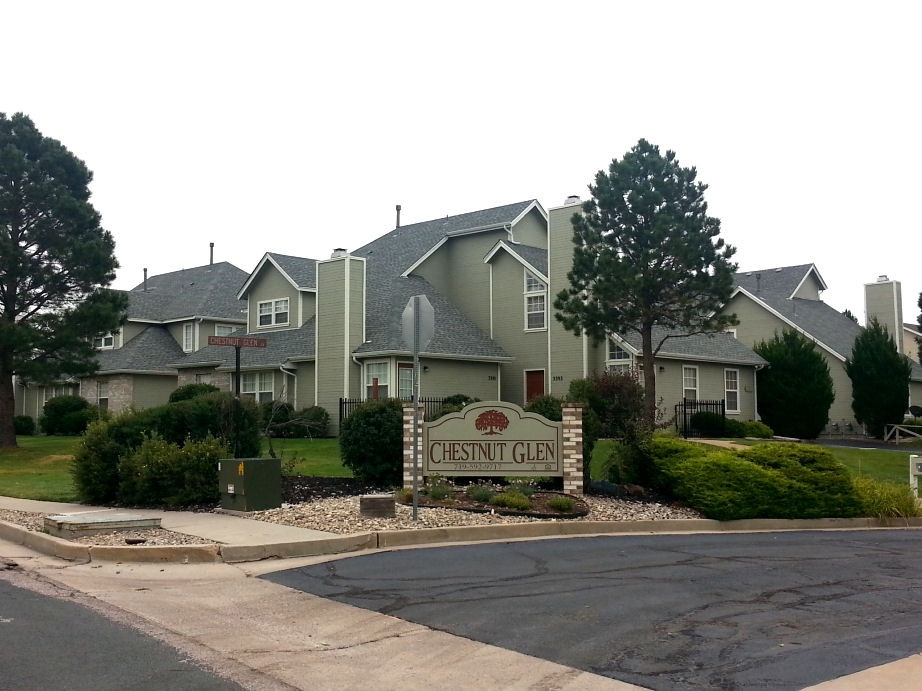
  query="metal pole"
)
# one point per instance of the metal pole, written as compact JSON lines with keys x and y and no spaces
{"x":415,"y":384}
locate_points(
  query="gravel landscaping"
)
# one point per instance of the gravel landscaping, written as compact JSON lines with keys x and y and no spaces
{"x":332,"y":505}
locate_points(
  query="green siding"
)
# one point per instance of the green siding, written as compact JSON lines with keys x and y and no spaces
{"x":270,"y":285}
{"x":567,"y":349}
{"x":531,"y":230}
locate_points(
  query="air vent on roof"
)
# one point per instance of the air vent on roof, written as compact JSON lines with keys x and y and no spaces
{"x":778,"y":270}
{"x":882,"y":278}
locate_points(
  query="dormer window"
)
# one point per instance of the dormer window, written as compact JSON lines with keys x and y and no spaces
{"x":104,"y":341}
{"x":535,"y":303}
{"x":273,"y":312}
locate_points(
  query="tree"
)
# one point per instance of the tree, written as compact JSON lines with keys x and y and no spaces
{"x":796,"y":389}
{"x":646,"y":253}
{"x":880,"y":379}
{"x":55,"y":265}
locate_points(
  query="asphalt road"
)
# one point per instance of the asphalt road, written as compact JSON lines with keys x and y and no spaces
{"x":723,"y":611}
{"x":49,"y":643}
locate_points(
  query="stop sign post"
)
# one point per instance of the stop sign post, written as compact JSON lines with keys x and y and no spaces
{"x":418,"y":322}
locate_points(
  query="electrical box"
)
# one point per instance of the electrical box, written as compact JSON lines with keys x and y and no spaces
{"x":250,"y":484}
{"x":915,"y":471}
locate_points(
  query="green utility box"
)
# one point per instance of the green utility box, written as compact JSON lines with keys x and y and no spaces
{"x":250,"y":484}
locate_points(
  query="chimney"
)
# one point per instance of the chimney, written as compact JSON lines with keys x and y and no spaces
{"x":758,"y":283}
{"x":572,"y":199}
{"x":338,"y":252}
{"x":145,"y":279}
{"x":883,"y":301}
{"x":398,"y":216}
{"x":211,"y":253}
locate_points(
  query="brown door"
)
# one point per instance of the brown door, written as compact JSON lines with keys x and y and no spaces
{"x":534,"y":384}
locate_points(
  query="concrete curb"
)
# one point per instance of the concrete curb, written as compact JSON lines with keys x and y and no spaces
{"x":390,"y":539}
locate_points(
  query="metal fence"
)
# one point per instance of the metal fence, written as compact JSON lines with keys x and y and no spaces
{"x":700,"y":418}
{"x":347,"y":405}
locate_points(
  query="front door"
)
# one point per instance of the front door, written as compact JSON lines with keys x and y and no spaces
{"x":534,"y":384}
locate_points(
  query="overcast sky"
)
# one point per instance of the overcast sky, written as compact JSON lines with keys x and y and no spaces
{"x":296,"y":127}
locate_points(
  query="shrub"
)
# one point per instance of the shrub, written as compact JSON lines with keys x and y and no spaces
{"x":708,"y":424}
{"x":315,"y":421}
{"x":519,"y":486}
{"x":66,"y":415}
{"x":371,"y":441}
{"x":162,"y":473}
{"x":438,"y":488}
{"x":285,"y":422}
{"x":25,"y":425}
{"x":95,"y":464}
{"x":216,"y":414}
{"x":190,"y":391}
{"x":562,"y":504}
{"x":623,"y":464}
{"x":453,"y":404}
{"x":757,"y":429}
{"x":734,"y":428}
{"x":547,"y":406}
{"x":479,"y":492}
{"x":511,"y":500}
{"x":885,"y":499}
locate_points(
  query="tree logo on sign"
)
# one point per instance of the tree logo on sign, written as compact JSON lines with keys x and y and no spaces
{"x":493,"y":421}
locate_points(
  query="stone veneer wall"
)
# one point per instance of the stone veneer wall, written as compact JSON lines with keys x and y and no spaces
{"x":572,"y":447}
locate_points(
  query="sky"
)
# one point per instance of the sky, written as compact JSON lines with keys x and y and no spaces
{"x":297,"y":127}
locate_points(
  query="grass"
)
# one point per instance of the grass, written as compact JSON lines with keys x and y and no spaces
{"x":311,"y":457}
{"x":39,"y":468}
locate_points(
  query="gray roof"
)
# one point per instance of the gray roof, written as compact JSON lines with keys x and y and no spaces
{"x":780,"y":281}
{"x":151,"y":351}
{"x":392,"y":254}
{"x":535,"y":256}
{"x":301,"y":270}
{"x":202,"y":291}
{"x":281,"y":346}
{"x":720,"y":347}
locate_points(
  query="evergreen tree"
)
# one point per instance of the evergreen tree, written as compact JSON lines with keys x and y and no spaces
{"x":795,"y":390}
{"x":55,"y":264}
{"x":880,"y":379}
{"x":646,"y":253}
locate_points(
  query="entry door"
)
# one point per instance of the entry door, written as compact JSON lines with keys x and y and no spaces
{"x":534,"y":384}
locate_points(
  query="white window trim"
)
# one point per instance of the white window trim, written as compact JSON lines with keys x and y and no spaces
{"x":697,"y":387}
{"x":188,"y":337}
{"x":253,"y":384}
{"x":736,"y":390}
{"x":273,"y":313}
{"x":224,"y":329}
{"x":533,"y":293}
{"x":110,"y":336}
{"x":367,"y":378}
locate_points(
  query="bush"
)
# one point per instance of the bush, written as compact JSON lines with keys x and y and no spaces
{"x":216,"y":414}
{"x":67,"y":415}
{"x":480,"y":492}
{"x":371,"y":442}
{"x":547,"y":406}
{"x":624,"y":463}
{"x":708,"y":424}
{"x":757,"y":429}
{"x":161,"y":473}
{"x":452,"y":404}
{"x":282,"y":421}
{"x":734,"y":429}
{"x":190,"y":391}
{"x":95,"y":464}
{"x":884,"y":499}
{"x":562,"y":504}
{"x":24,"y":425}
{"x":511,"y":500}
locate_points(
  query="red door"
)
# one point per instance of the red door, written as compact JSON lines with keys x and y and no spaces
{"x":534,"y":384}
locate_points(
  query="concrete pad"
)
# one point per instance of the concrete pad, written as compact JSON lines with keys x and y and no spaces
{"x":74,"y":525}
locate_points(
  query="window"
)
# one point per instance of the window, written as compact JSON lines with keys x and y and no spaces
{"x":376,"y":381}
{"x":690,"y":383}
{"x":405,"y":380}
{"x":619,"y":360}
{"x":273,"y":312}
{"x":102,"y":395}
{"x":535,"y":303}
{"x":224,"y":329}
{"x":257,"y":386}
{"x":732,"y":390}
{"x":188,"y":337}
{"x":203,"y":378}
{"x":104,"y":341}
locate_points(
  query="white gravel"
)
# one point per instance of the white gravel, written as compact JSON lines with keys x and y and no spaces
{"x":341,"y":516}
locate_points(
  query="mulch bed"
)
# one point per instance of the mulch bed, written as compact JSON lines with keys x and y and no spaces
{"x":540,"y":505}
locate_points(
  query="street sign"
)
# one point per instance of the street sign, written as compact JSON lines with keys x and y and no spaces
{"x":426,"y":323}
{"x":237,"y":341}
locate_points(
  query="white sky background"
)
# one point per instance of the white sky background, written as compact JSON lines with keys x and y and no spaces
{"x":297,"y":127}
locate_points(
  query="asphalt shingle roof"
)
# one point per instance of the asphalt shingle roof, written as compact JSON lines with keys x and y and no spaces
{"x":280,"y":346}
{"x":713,"y":347}
{"x":301,"y":270}
{"x":202,"y":291}
{"x":152,"y":350}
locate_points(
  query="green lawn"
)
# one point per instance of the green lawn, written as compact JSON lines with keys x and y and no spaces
{"x":317,"y":457}
{"x":39,"y":469}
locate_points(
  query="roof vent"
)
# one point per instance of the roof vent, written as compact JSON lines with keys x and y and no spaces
{"x":572,"y":199}
{"x":882,"y":278}
{"x":339,"y":252}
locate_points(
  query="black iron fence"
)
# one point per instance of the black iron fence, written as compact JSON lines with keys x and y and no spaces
{"x":700,"y":418}
{"x":347,"y":405}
